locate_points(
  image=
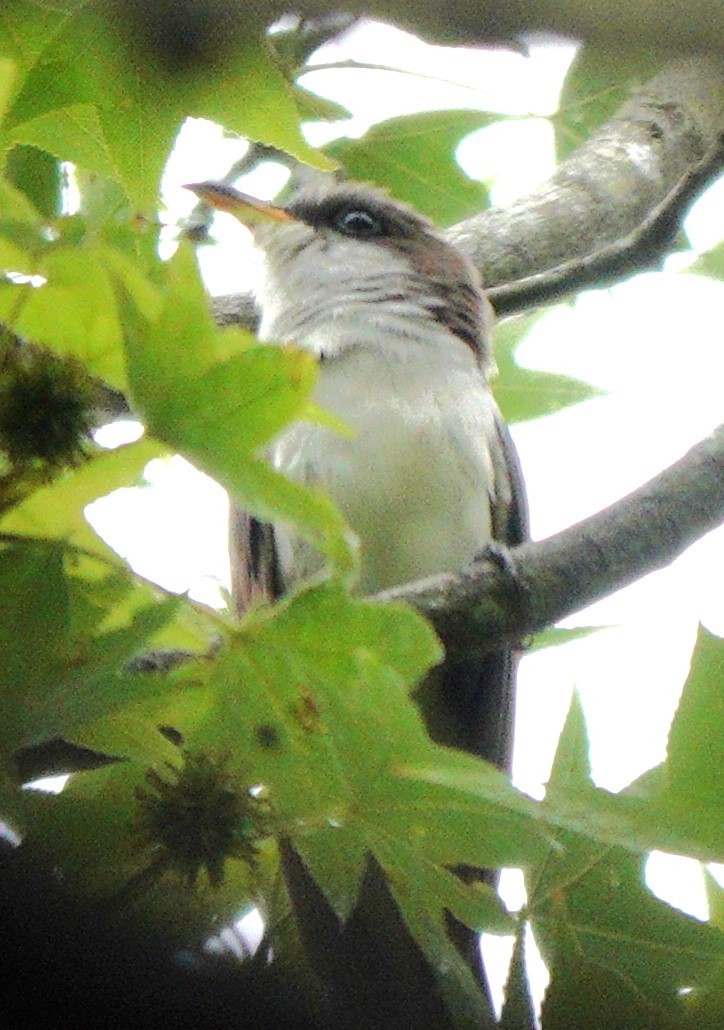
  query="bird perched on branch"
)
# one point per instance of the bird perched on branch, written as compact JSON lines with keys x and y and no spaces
{"x":429,"y":476}
{"x":427,"y":480}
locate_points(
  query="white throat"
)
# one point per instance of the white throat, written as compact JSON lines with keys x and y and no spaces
{"x":414,"y":481}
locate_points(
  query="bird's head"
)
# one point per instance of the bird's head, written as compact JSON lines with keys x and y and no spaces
{"x":341,"y":251}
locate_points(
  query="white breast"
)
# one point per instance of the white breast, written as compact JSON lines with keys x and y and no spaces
{"x":414,"y":480}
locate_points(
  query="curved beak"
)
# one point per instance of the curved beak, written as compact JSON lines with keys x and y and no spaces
{"x":250,"y":211}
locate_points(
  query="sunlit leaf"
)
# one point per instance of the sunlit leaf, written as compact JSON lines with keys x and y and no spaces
{"x":8,"y":76}
{"x":95,"y":97}
{"x":557,"y":636}
{"x":56,"y":510}
{"x":74,"y":312}
{"x":710,"y":263}
{"x":219,"y":414}
{"x":70,"y":134}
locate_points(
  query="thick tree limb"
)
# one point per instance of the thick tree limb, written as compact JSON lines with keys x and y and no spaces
{"x":608,"y":188}
{"x":642,"y":248}
{"x":665,"y":24}
{"x":550,"y":579}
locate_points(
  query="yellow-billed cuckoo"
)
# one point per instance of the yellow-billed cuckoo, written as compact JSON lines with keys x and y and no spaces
{"x":428,"y":479}
{"x":398,"y":319}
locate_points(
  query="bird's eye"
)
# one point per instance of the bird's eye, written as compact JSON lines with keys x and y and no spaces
{"x":358,"y":222}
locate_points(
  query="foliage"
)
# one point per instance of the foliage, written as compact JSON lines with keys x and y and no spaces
{"x":308,"y":701}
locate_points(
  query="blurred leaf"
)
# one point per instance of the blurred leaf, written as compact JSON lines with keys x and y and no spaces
{"x":37,"y":174}
{"x":518,"y":1011}
{"x":8,"y":78}
{"x":34,"y":630}
{"x":313,"y":107}
{"x":95,"y":97}
{"x":219,"y":414}
{"x":75,"y":312}
{"x":597,"y":84}
{"x":92,"y":832}
{"x":557,"y":636}
{"x":413,"y":156}
{"x":28,"y":26}
{"x":715,"y":899}
{"x":696,"y":750}
{"x":523,"y":393}
{"x":17,"y":209}
{"x":53,"y":680}
{"x":710,"y":263}
{"x":604,"y":930}
{"x":72,"y":133}
{"x":56,"y":510}
{"x":571,"y":767}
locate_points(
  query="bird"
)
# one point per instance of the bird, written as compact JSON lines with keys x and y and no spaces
{"x":428,"y":478}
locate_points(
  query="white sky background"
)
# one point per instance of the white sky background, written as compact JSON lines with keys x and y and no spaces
{"x":654,"y":343}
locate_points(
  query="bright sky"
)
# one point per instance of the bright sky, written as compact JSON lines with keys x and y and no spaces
{"x":653,"y":343}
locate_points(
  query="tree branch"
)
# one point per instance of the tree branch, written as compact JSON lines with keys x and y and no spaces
{"x":643,"y":248}
{"x":624,"y":174}
{"x":550,"y":579}
{"x":667,"y":25}
{"x":612,"y":208}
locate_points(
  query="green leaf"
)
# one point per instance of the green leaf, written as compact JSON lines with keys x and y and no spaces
{"x":604,"y":927}
{"x":696,"y":749}
{"x":72,"y":133}
{"x":710,"y":263}
{"x":598,"y":925}
{"x":27,"y":27}
{"x":55,"y":681}
{"x":219,"y":414}
{"x":327,"y":724}
{"x":15,"y":208}
{"x":38,"y":175}
{"x":571,"y":768}
{"x":311,"y":106}
{"x":86,"y":692}
{"x":523,"y":393}
{"x":414,"y":157}
{"x":34,"y":629}
{"x":8,"y":77}
{"x":597,"y":84}
{"x":95,"y":97}
{"x":557,"y":636}
{"x":75,"y":312}
{"x":56,"y":510}
{"x":715,"y":899}
{"x":518,"y":1011}
{"x":91,"y":832}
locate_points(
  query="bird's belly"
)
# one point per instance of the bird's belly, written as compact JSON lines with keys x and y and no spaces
{"x":413,"y":480}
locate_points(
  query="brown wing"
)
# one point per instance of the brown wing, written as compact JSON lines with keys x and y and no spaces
{"x":469,"y":703}
{"x":255,"y":572}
